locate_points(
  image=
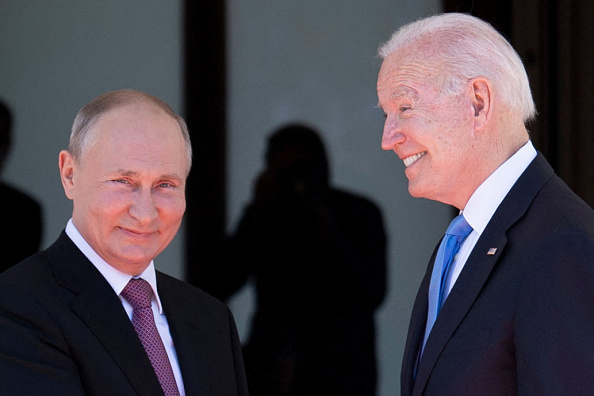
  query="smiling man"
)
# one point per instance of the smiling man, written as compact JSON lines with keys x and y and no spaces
{"x":505,"y":307}
{"x":91,"y":315}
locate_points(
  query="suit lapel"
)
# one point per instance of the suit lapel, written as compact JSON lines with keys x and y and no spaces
{"x":100,"y":309}
{"x":186,"y":331}
{"x":466,"y":290}
{"x":480,"y":265}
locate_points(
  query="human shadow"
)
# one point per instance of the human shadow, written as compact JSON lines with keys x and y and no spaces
{"x":317,"y":257}
{"x":22,"y":214}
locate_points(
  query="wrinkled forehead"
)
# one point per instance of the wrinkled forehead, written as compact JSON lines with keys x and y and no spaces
{"x":404,"y":75}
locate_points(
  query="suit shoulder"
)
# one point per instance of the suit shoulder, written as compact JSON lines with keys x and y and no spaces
{"x":32,"y":273}
{"x":562,"y":207}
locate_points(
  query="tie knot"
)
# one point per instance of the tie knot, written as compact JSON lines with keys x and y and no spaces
{"x":459,"y":227}
{"x":138,"y":293}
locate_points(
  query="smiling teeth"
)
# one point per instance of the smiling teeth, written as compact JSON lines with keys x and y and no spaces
{"x":410,"y":160}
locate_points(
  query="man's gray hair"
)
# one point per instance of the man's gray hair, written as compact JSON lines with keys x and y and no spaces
{"x":467,"y":47}
{"x":82,"y":136}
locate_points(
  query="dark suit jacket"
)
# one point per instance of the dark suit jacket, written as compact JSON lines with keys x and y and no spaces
{"x":63,"y":331}
{"x":521,"y":321}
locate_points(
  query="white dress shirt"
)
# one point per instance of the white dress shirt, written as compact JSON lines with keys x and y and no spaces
{"x":484,"y":202}
{"x":118,"y":280}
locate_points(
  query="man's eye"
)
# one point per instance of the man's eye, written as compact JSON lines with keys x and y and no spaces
{"x":122,"y":181}
{"x":404,"y":108}
{"x":165,"y":185}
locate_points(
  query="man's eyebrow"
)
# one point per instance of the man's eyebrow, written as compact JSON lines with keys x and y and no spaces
{"x":167,"y":176}
{"x":124,"y":172}
{"x":401,"y":92}
{"x":404,"y":92}
{"x":172,"y":176}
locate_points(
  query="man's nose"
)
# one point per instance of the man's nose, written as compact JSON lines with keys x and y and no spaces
{"x":393,"y":135}
{"x":143,"y":207}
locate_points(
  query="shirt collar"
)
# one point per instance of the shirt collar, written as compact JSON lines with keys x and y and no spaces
{"x":116,"y":279}
{"x":488,"y":196}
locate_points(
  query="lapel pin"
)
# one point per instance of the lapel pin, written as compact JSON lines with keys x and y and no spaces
{"x":492,"y":252}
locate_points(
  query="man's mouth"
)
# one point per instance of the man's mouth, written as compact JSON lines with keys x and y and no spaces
{"x":137,"y":233}
{"x":408,"y":161}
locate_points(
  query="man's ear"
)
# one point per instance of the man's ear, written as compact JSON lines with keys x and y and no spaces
{"x":481,"y":97}
{"x":67,"y":170}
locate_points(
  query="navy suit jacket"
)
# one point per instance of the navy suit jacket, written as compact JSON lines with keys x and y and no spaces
{"x":63,"y":331}
{"x":520,"y":321}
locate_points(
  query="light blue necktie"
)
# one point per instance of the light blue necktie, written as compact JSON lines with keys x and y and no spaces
{"x":455,"y":235}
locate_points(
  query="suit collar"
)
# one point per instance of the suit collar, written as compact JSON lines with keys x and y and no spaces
{"x":117,"y":279}
{"x":488,"y":196}
{"x":99,"y":308}
{"x":476,"y":271}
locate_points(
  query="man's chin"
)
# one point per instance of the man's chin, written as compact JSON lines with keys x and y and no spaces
{"x":132,"y":261}
{"x":417,"y":191}
{"x":414,"y":190}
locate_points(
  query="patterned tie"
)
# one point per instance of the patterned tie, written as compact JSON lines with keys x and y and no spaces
{"x":138,"y":293}
{"x":455,"y":235}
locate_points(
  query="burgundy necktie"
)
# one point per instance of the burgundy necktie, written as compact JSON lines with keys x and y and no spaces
{"x":138,"y":293}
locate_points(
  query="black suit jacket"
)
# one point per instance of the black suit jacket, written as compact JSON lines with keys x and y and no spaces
{"x":63,"y":331}
{"x":520,"y":321}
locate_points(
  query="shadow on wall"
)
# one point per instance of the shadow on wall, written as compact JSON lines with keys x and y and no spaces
{"x":22,"y":215}
{"x":317,"y":257}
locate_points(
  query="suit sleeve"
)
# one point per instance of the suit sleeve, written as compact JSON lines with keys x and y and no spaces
{"x":555,"y":320}
{"x":34,"y":358}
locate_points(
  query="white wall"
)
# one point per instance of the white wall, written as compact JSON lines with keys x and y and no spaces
{"x":55,"y":56}
{"x":315,"y":61}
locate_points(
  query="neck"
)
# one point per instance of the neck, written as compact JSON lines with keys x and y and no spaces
{"x":498,"y":149}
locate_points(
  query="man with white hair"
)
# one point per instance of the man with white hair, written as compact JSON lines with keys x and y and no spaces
{"x":506,"y":305}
